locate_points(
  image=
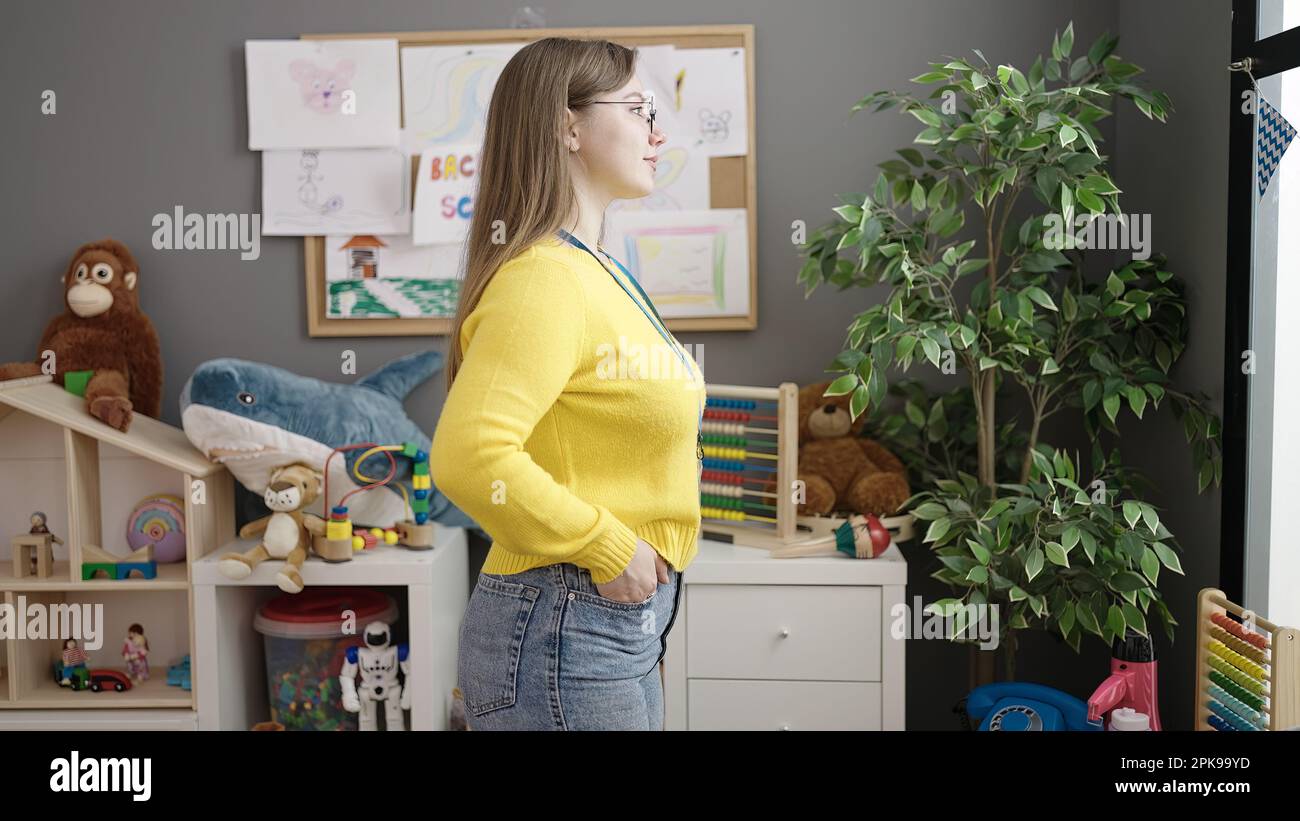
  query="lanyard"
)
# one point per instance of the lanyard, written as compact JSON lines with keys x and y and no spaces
{"x":658,"y":325}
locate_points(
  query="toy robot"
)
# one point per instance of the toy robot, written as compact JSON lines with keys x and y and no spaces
{"x":378,"y":662}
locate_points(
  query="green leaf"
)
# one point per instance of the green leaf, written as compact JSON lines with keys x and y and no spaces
{"x":1017,"y":594}
{"x":931,"y":349}
{"x":1114,"y":285}
{"x":1089,"y":200}
{"x":1087,"y":619}
{"x":926,"y":116}
{"x":1067,"y":40}
{"x":1033,"y":563}
{"x":1168,"y":557}
{"x":1132,"y":512}
{"x":1070,"y":538}
{"x":1127,"y":581}
{"x":842,"y":385}
{"x":918,"y":196}
{"x":1133,"y":617}
{"x":938,"y":529}
{"x":858,"y":402}
{"x":930,"y":77}
{"x":980,"y":552}
{"x":1137,"y":400}
{"x":1091,"y":395}
{"x":930,"y":510}
{"x":1149,"y":517}
{"x":1115,"y":620}
{"x":1049,"y":367}
{"x":1056,"y":555}
{"x":1067,"y":135}
{"x":978,"y":574}
{"x":1041,"y":297}
{"x":1111,"y":405}
{"x":1098,"y":184}
{"x":1150,"y":564}
{"x":912,"y":156}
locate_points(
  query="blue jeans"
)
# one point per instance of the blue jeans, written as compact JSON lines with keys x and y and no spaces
{"x":543,"y":650}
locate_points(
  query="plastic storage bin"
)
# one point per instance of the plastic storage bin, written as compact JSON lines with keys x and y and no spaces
{"x":305,"y":643}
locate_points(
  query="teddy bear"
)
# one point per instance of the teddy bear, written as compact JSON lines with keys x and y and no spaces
{"x":841,"y":470}
{"x":286,"y":533}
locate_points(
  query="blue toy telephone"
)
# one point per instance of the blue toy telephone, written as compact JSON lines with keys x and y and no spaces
{"x":1021,"y":706}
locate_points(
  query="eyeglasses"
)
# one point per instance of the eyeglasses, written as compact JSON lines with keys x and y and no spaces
{"x":647,"y":101}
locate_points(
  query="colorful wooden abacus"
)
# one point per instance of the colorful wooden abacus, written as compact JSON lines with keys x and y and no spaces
{"x":750,"y":438}
{"x":1245,"y":679}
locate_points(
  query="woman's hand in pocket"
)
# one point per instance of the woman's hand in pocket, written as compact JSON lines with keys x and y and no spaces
{"x":640,"y":579}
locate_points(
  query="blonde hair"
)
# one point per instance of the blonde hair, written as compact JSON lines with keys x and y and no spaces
{"x":524,"y":178}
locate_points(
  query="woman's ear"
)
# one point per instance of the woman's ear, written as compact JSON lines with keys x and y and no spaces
{"x":571,"y":130}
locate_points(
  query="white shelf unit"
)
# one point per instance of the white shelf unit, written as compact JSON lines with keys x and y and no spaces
{"x":231,"y":663}
{"x":87,"y":476}
{"x":799,"y":644}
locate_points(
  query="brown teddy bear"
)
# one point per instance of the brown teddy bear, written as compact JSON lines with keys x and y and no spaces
{"x":843,"y":471}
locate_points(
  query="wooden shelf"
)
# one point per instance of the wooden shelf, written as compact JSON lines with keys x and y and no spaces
{"x":166,"y":718}
{"x":382,"y":565}
{"x":47,"y":694}
{"x":171,"y":576}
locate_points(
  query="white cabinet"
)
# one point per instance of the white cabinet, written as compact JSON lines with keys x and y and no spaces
{"x":786,"y":644}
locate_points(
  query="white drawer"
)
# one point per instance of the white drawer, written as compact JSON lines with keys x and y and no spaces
{"x":728,"y":704}
{"x":786,"y":632}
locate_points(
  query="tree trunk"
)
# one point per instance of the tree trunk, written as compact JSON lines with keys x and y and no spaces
{"x":982,"y":667}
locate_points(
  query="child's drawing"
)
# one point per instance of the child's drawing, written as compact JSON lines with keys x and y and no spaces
{"x":354,"y":190}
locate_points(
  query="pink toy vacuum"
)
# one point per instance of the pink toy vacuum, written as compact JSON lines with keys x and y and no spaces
{"x":1130,"y":695}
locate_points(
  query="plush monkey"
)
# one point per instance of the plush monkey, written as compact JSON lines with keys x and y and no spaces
{"x":103,"y":330}
{"x":286,"y":533}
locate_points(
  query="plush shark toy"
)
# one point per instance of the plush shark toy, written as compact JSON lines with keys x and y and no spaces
{"x":253,"y":418}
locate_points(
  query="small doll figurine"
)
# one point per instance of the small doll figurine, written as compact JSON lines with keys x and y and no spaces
{"x":40,"y":528}
{"x":135,"y":649}
{"x":73,"y":658}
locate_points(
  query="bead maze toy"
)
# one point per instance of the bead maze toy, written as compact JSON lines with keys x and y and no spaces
{"x":1247,"y":669}
{"x":415,"y":533}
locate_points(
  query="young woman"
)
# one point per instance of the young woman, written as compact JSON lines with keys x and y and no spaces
{"x":572,"y":422}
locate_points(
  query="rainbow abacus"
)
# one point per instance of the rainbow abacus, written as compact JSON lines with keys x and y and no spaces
{"x":1246,"y":680}
{"x":750,"y":439}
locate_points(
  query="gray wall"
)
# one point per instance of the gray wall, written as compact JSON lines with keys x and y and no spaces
{"x":151,"y":115}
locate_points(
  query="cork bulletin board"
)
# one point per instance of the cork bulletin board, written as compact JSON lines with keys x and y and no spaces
{"x":731,"y":178}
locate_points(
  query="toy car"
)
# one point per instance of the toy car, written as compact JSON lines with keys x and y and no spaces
{"x":178,"y":675}
{"x":101,"y":679}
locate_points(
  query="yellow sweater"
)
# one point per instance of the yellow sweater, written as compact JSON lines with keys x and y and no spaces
{"x":570,"y":429}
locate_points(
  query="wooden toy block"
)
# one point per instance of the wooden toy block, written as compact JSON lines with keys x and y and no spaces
{"x":415,"y":536}
{"x":37,"y":547}
{"x":95,"y":559}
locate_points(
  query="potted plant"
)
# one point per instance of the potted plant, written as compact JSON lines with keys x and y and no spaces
{"x":1013,"y":521}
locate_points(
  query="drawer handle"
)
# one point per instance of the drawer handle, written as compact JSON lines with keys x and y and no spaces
{"x":785,"y":632}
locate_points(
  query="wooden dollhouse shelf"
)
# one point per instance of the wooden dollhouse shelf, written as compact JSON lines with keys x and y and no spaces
{"x":47,"y":694}
{"x":170,"y":577}
{"x":86,"y":476}
{"x":154,"y":440}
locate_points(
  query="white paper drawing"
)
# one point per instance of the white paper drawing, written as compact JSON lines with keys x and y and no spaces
{"x":322,"y":94}
{"x":691,"y":263}
{"x":354,"y":190}
{"x":704,"y":92}
{"x":446,"y":91}
{"x":444,"y":193}
{"x":681,"y":183}
{"x":368,"y":277}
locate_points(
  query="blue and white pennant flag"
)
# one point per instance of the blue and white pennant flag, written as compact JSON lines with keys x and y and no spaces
{"x":1275,"y":134}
